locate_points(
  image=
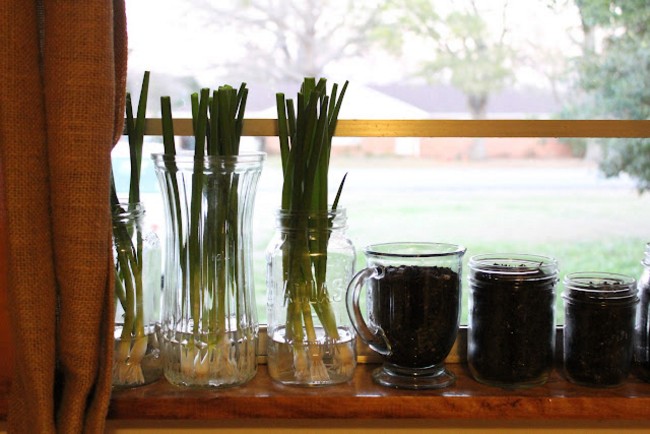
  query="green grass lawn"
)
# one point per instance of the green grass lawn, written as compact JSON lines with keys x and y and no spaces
{"x":591,"y":228}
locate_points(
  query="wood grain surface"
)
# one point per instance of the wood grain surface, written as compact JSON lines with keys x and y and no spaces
{"x":362,"y":399}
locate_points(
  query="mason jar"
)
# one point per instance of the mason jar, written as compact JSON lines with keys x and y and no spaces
{"x":599,"y":315}
{"x":310,"y":261}
{"x":642,"y":347}
{"x":138,"y":288}
{"x":511,"y":333}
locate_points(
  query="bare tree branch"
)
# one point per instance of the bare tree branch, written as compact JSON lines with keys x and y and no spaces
{"x":290,"y":39}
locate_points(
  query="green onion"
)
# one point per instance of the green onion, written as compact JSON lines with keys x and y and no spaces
{"x":217,"y":119}
{"x":127,"y":367}
{"x":305,"y":137}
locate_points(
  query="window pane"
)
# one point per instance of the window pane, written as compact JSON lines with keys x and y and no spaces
{"x":405,"y":58}
{"x":560,"y":207}
{"x":518,"y":60}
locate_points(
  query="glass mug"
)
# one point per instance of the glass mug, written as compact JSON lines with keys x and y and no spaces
{"x":413,"y":305}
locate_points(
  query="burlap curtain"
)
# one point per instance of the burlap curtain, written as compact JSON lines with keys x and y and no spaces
{"x":62,"y":83}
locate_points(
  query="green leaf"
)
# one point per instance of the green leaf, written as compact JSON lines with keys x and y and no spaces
{"x":194,"y":101}
{"x":242,"y":97}
{"x":338,"y":193}
{"x":305,"y":143}
{"x":335,"y":113}
{"x":135,"y":132}
{"x":213,"y":131}
{"x":283,"y":130}
{"x":167,"y":126}
{"x":200,"y":122}
{"x":227,"y":100}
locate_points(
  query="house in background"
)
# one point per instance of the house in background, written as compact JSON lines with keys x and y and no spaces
{"x":446,"y":102}
{"x":435,"y":102}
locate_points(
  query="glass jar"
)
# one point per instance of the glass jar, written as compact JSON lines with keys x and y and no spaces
{"x":309,"y":264}
{"x":511,"y":333}
{"x":599,"y":315}
{"x":642,"y":347}
{"x":413,"y":306}
{"x":137,"y":257}
{"x":209,"y":318}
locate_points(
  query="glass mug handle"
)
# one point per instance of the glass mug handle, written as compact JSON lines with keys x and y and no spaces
{"x":377,"y":341}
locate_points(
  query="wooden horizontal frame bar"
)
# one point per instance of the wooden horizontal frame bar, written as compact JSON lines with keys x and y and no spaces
{"x":444,"y":128}
{"x":622,"y":407}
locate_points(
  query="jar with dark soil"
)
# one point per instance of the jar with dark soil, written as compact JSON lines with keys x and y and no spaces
{"x":599,"y":314}
{"x":642,"y":346}
{"x":511,"y":333}
{"x":413,"y":309}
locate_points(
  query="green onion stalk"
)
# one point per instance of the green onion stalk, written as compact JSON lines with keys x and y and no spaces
{"x":209,"y":263}
{"x":305,"y":133}
{"x":128,"y":240}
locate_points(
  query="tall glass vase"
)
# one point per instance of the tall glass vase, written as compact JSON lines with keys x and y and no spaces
{"x":209,"y":324}
{"x":136,"y":250}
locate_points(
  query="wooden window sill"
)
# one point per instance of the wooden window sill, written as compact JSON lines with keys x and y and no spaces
{"x":262,"y":398}
{"x":362,"y":399}
{"x":468,"y":400}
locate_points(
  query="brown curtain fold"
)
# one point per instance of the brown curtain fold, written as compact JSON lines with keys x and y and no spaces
{"x":63,"y":68}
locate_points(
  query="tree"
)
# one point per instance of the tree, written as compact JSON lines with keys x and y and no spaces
{"x":287,"y":40}
{"x":614,"y":75}
{"x":466,"y":50}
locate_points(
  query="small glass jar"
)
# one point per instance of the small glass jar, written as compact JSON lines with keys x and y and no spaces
{"x":599,"y":315}
{"x":511,"y":334}
{"x":310,"y":261}
{"x":138,"y":288}
{"x":642,"y":347}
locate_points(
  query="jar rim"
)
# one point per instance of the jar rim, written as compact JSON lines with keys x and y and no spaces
{"x":189,"y":156}
{"x":414,"y":250}
{"x":328,"y":212}
{"x":187,"y":160}
{"x":311,"y":220}
{"x":600,"y":286}
{"x":588,"y":279}
{"x":514,"y":264}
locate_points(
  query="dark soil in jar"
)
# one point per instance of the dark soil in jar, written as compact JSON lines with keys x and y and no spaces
{"x":598,"y":342}
{"x":418,"y":310}
{"x":512,"y":330}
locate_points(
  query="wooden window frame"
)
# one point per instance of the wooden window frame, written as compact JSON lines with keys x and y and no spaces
{"x":445,"y":128}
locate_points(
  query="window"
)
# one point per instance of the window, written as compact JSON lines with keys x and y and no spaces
{"x":542,"y":194}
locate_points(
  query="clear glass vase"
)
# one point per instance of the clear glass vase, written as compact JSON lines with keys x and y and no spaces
{"x":209,"y":325}
{"x":137,"y":256}
{"x":309,"y":264}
